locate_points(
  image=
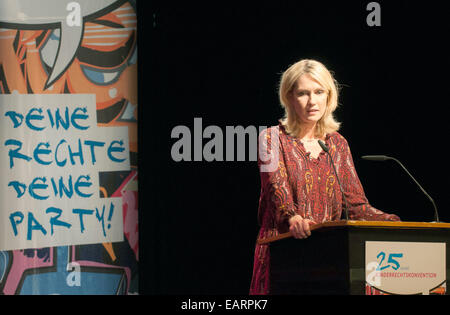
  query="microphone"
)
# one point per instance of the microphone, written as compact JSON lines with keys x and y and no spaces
{"x":385,"y":158}
{"x":327,"y":150}
{"x":375,"y":157}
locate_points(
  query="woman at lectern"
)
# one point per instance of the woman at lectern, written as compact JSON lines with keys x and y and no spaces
{"x":299,"y":186}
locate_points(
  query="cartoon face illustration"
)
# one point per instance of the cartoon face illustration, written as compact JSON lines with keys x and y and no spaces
{"x":89,"y":47}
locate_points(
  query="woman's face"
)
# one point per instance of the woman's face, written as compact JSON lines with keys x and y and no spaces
{"x":309,"y":99}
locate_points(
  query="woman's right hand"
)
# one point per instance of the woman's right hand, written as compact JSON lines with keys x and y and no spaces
{"x":299,"y":227}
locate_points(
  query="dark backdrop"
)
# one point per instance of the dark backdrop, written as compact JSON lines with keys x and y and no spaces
{"x":222,"y":62}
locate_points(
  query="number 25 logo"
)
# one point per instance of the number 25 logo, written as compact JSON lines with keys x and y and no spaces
{"x":391,"y":262}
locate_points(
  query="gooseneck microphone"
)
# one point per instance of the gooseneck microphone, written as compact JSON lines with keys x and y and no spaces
{"x":385,"y":158}
{"x":327,"y":150}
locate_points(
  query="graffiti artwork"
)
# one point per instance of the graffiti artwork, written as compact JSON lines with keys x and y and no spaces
{"x":66,"y":47}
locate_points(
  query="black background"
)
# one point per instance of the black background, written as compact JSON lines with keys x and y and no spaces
{"x":221,"y":61}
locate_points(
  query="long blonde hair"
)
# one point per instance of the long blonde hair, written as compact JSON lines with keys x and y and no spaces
{"x":327,"y":124}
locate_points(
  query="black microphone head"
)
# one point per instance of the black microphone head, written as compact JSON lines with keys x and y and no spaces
{"x":375,"y":157}
{"x":323,"y":146}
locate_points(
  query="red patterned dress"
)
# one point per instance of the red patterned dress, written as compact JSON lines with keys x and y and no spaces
{"x":304,"y":185}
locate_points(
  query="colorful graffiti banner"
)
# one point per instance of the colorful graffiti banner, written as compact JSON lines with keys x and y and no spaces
{"x":68,"y":147}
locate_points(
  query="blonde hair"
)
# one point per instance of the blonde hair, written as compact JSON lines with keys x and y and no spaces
{"x":327,"y":124}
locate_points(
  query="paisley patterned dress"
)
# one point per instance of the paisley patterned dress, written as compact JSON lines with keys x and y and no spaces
{"x":302,"y":184}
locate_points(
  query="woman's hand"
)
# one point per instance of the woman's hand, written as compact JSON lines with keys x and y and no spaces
{"x":299,"y":227}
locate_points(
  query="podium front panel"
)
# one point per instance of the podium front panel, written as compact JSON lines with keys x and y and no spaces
{"x":332,"y":260}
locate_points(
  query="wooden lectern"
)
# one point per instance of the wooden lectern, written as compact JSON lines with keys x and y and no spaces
{"x":333,"y":259}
